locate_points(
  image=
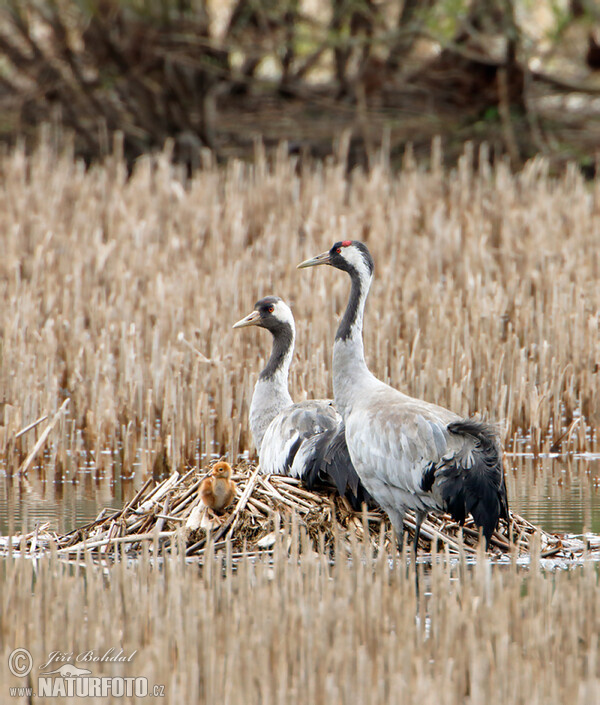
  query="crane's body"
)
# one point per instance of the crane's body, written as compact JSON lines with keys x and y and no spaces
{"x":306,"y":439}
{"x":408,"y":453}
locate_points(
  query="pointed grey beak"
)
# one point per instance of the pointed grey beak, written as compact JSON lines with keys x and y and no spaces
{"x":252,"y":319}
{"x":323,"y":258}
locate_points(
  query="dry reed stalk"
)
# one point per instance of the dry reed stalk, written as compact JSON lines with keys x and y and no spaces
{"x":485,"y":300}
{"x":42,"y":439}
{"x":260,"y":627}
{"x":31,"y":426}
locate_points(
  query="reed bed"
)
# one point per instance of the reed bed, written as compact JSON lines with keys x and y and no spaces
{"x":299,"y":629}
{"x":171,"y":514}
{"x":119,"y":291}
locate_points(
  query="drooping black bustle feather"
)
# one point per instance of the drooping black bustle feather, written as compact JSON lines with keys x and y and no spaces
{"x":476,"y":488}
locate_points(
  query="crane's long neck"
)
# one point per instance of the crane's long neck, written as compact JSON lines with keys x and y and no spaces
{"x":350,"y":371}
{"x":271,"y":394}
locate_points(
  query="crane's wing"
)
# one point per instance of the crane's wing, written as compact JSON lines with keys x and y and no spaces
{"x":392,"y":445}
{"x":472,"y":481}
{"x":323,"y":461}
{"x":307,"y":440}
{"x":292,"y":427}
{"x":411,"y":454}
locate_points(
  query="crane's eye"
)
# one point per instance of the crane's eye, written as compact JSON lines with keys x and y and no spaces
{"x":338,"y":250}
{"x":271,"y":309}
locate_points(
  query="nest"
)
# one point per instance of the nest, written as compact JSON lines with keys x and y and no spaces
{"x":171,"y":513}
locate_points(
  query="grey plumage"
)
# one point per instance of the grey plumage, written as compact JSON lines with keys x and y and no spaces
{"x":408,"y":453}
{"x":306,"y":439}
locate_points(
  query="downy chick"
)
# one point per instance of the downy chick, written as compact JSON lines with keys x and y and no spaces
{"x":218,"y":489}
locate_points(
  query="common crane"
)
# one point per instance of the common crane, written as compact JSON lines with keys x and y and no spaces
{"x":304,"y":440}
{"x":409,"y":453}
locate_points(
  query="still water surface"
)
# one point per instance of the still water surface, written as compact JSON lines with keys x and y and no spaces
{"x":557,"y":492}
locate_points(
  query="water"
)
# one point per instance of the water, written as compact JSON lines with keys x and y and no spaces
{"x":559,"y":493}
{"x":33,"y":500}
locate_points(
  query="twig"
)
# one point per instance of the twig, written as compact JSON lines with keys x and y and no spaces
{"x":31,"y":426}
{"x":42,"y":439}
{"x":182,"y":339}
{"x":85,"y":545}
{"x":504,"y":111}
{"x":158,"y":493}
{"x":138,"y":495}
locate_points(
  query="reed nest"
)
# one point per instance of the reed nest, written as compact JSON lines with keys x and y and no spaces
{"x":171,"y":512}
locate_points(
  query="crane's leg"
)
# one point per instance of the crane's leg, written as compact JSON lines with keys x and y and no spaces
{"x":419,"y":516}
{"x":397,"y":519}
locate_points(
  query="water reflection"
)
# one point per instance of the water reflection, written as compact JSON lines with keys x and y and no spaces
{"x":26,"y":502}
{"x":559,"y":493}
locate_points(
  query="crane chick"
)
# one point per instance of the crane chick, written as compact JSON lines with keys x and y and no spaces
{"x":217,"y":490}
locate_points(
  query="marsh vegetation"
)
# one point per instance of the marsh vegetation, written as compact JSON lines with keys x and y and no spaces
{"x":300,"y":629}
{"x":119,"y":291}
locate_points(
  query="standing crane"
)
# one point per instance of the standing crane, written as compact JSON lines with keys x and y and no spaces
{"x":304,"y":440}
{"x":408,"y":453}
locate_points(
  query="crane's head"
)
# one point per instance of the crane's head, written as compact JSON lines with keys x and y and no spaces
{"x":350,"y":256}
{"x":221,"y":469}
{"x":271,"y":313}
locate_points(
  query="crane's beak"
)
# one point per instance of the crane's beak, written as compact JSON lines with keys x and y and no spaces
{"x":323,"y":258}
{"x":252,"y":319}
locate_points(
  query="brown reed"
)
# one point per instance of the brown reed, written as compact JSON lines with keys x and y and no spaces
{"x":119,"y":292}
{"x":298,"y":629}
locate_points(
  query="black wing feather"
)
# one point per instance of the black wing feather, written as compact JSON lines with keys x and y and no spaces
{"x":329,"y":465}
{"x":479,"y":490}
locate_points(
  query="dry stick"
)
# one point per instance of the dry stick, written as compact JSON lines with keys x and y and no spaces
{"x":287,"y":480}
{"x":493,"y":540}
{"x":84,"y":545}
{"x":297,"y":490}
{"x":90,"y":525}
{"x":134,"y":528}
{"x":215,"y":546}
{"x":178,"y":508}
{"x":42,"y":439}
{"x":159,"y":492}
{"x":253,"y":510}
{"x":160,"y":519}
{"x":112,"y":534}
{"x":272,"y":491}
{"x":180,"y":502}
{"x":240,"y":505}
{"x":31,"y":426}
{"x":551,"y":552}
{"x":35,"y":537}
{"x":430,"y":532}
{"x":195,"y":350}
{"x":296,"y":500}
{"x":170,"y":517}
{"x":138,"y":495}
{"x":260,"y":506}
{"x":183,"y":478}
